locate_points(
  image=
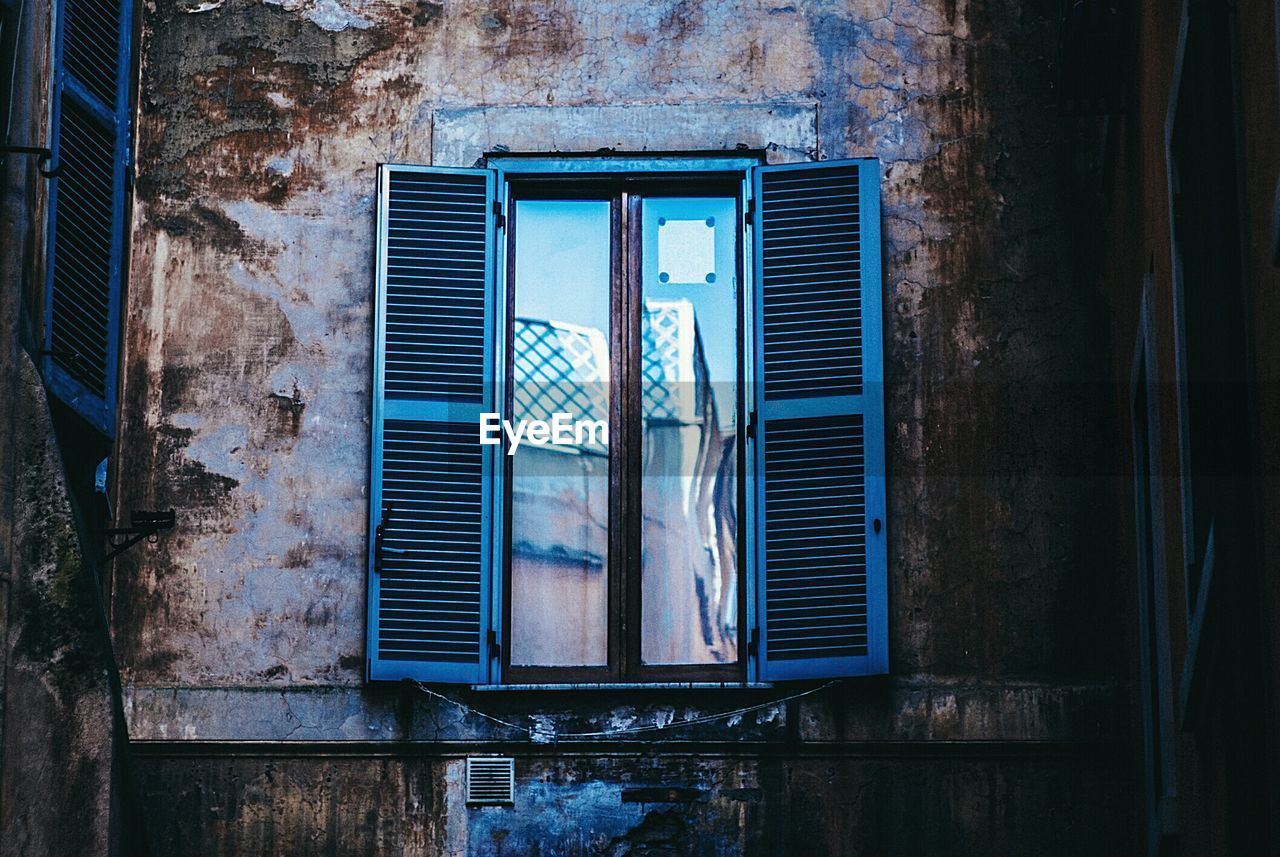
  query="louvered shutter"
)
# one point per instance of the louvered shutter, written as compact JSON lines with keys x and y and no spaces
{"x":431,"y":528}
{"x":819,"y":421}
{"x":90,"y":139}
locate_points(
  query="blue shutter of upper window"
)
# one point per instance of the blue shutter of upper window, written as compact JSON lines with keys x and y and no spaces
{"x":818,"y":401}
{"x":431,"y":545}
{"x":90,"y":138}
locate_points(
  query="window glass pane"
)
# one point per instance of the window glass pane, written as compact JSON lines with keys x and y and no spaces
{"x":560,"y":493}
{"x":689,"y":373}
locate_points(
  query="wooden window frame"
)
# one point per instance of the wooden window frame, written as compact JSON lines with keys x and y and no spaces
{"x":625,"y":193}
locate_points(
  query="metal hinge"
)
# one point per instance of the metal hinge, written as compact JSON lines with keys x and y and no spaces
{"x":750,"y":213}
{"x":753,"y":646}
{"x":495,"y":648}
{"x":499,"y":219}
{"x":751,"y":425}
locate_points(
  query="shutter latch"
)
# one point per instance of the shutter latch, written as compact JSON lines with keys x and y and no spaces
{"x":379,"y":547}
{"x":499,"y":219}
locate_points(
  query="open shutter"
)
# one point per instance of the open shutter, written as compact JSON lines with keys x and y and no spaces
{"x":90,"y":140}
{"x":819,"y":419}
{"x":431,"y":486}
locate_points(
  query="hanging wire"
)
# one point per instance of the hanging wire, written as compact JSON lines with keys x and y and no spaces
{"x":541,"y":734}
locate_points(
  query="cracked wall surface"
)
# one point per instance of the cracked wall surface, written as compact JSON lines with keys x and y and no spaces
{"x":246,"y":394}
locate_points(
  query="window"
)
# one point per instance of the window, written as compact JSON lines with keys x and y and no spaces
{"x":626,"y":301}
{"x":711,"y":507}
{"x":90,"y":141}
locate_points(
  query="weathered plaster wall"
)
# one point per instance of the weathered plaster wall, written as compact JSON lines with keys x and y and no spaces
{"x":598,"y":804}
{"x":58,"y":777}
{"x":65,"y":786}
{"x":63,"y":776}
{"x":252,"y":257}
{"x":246,"y":396}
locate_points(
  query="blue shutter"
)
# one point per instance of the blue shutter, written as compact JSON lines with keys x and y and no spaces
{"x":90,"y":139}
{"x":431,"y":523}
{"x":819,"y":421}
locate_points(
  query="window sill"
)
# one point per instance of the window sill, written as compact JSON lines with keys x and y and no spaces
{"x":630,"y":685}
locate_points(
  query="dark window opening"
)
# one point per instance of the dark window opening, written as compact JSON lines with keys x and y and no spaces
{"x":1225,"y":644}
{"x":1206,"y":225}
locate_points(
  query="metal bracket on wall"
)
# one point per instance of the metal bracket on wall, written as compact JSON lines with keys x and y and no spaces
{"x":45,"y":155}
{"x":142,"y":525}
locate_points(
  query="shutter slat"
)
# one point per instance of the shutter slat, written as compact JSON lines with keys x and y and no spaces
{"x":809,"y":298}
{"x":91,"y":46}
{"x":431,"y":548}
{"x":449,"y":272}
{"x":83,"y":221}
{"x":820,"y":562}
{"x":86,"y":206}
{"x":797,"y":535}
{"x":435,"y":309}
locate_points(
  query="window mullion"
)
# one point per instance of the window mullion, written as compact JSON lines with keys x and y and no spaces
{"x":629,"y":433}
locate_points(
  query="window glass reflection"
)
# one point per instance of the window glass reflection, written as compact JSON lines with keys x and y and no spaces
{"x":689,"y":372}
{"x":560,"y":494}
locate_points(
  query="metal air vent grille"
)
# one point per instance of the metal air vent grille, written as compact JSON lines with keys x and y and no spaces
{"x":491,"y":780}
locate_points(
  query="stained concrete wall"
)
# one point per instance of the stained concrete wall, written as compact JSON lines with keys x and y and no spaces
{"x":246,"y":405}
{"x":61,"y":791}
{"x":579,"y":805}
